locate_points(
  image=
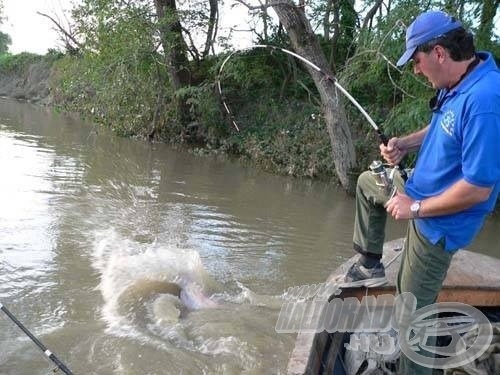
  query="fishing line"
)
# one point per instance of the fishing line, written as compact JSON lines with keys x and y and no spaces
{"x":38,"y":343}
{"x":383,"y":138}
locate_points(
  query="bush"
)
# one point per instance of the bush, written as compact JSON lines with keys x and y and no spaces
{"x":18,"y":63}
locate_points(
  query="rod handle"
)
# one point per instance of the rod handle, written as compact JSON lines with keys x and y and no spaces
{"x":400,"y":166}
{"x":383,"y":137}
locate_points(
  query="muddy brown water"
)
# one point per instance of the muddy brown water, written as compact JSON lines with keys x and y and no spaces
{"x":100,"y":236}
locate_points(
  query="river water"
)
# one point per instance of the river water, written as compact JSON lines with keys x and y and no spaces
{"x":97,"y":231}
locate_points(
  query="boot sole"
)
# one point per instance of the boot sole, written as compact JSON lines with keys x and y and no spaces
{"x":368,"y":283}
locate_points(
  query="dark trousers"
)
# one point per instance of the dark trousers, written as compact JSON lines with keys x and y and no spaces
{"x":423,"y":266}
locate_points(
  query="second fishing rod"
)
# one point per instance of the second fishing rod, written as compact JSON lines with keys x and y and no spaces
{"x":61,"y":366}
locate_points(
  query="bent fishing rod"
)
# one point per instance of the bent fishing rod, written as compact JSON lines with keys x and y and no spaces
{"x":38,"y":343}
{"x":383,"y":138}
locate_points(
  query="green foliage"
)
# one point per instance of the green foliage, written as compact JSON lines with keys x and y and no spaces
{"x":5,"y":42}
{"x":120,"y":79}
{"x":338,"y":20}
{"x":117,"y":80}
{"x":275,"y":105}
{"x":18,"y":63}
{"x":396,"y":99}
{"x":290,"y":139}
{"x":118,"y":94}
{"x":251,"y":76}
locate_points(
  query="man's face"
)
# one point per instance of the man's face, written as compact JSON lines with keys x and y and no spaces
{"x":429,"y":64}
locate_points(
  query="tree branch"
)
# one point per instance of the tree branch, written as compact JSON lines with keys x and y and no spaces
{"x":68,"y":35}
{"x":371,"y":14}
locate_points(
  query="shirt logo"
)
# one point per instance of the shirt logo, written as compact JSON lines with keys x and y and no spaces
{"x":448,"y":122}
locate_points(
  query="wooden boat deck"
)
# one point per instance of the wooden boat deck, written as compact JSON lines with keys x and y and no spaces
{"x":473,"y":279}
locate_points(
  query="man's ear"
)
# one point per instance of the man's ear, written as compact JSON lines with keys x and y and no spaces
{"x":441,"y":53}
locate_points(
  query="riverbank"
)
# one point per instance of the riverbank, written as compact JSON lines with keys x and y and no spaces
{"x":285,"y":137}
{"x":27,"y":77}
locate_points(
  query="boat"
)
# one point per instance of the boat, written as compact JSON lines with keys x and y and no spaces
{"x":472,"y":279}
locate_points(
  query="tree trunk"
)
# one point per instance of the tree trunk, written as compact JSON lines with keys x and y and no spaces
{"x":326,"y":19}
{"x":173,"y":43}
{"x":174,"y":47}
{"x":306,"y":44}
{"x":212,"y":27}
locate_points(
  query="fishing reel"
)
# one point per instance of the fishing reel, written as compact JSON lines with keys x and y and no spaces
{"x":383,"y":180}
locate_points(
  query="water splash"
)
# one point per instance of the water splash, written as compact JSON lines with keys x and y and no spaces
{"x":162,"y":296}
{"x":141,"y":282}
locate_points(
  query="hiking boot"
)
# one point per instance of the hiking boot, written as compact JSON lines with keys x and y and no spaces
{"x":358,"y":275}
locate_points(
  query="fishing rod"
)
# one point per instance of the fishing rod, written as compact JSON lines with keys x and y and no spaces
{"x":383,"y":138}
{"x":38,"y":343}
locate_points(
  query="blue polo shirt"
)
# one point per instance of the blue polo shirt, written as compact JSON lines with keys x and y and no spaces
{"x":463,"y":142}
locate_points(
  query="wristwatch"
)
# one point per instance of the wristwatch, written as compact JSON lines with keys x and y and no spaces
{"x":415,"y":208}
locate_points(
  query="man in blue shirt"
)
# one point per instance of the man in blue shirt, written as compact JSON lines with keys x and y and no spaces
{"x":456,"y":180}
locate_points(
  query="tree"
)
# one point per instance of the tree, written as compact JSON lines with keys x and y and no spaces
{"x":199,"y":18}
{"x":212,"y":27}
{"x":145,"y":69}
{"x":485,"y":31}
{"x":174,"y":45}
{"x":5,"y":42}
{"x":261,"y":11}
{"x":306,"y":44}
{"x":67,"y":36}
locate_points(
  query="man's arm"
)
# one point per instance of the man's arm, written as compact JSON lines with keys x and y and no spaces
{"x":456,"y":198}
{"x":413,"y":141}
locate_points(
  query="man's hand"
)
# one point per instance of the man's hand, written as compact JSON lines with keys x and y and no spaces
{"x":394,"y":152}
{"x":399,"y":206}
